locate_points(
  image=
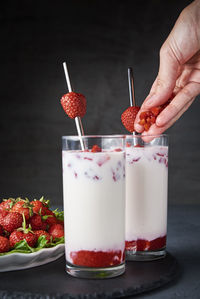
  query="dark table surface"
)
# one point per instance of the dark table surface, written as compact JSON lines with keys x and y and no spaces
{"x":183,"y":243}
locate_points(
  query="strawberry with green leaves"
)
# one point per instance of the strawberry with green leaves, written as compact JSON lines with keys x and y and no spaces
{"x":17,"y":236}
{"x":23,"y":233}
{"x":12,"y":221}
{"x":39,"y":233}
{"x":23,"y":206}
{"x":56,"y":231}
{"x":39,"y":206}
{"x":6,"y":204}
{"x":37,"y":222}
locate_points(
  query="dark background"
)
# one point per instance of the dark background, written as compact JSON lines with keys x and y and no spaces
{"x":99,"y":40}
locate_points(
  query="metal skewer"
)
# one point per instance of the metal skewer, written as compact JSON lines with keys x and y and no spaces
{"x":132,"y":94}
{"x":131,"y":87}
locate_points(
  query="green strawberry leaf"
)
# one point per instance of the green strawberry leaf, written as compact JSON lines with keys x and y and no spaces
{"x":59,"y":214}
{"x":23,"y":247}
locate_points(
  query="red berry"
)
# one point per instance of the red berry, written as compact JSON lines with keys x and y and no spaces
{"x":60,"y":222}
{"x":39,"y":233}
{"x":15,"y":237}
{"x":18,"y":236}
{"x":38,"y":207}
{"x":30,"y":238}
{"x":56,"y":231}
{"x":4,"y":244}
{"x":2,"y":215}
{"x":1,"y":230}
{"x":50,"y":220}
{"x":128,"y":118}
{"x":12,"y":221}
{"x":74,"y":104}
{"x":6,"y":205}
{"x":36,"y":222}
{"x":95,"y":149}
{"x":22,"y":207}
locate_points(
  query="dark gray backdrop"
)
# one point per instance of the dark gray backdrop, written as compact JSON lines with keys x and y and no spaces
{"x":99,"y":40}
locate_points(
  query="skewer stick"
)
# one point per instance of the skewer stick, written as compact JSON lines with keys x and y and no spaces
{"x":132,"y":95}
{"x":78,"y":121}
{"x":131,"y":89}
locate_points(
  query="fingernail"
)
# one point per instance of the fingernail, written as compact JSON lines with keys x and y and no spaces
{"x":138,"y":128}
{"x":151,"y":99}
{"x":159,"y":121}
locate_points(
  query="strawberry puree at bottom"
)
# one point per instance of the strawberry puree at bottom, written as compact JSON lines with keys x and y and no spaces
{"x":145,"y":245}
{"x":97,"y":259}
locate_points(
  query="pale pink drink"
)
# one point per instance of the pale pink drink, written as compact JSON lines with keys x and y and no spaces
{"x":146,"y":197}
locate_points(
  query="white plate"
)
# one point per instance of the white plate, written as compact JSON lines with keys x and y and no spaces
{"x":19,"y":261}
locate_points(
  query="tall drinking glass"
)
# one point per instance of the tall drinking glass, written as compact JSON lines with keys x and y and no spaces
{"x":146,"y":196}
{"x":94,"y":205}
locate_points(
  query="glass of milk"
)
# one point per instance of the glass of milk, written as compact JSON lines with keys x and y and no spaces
{"x":94,"y":205}
{"x":146,"y":197}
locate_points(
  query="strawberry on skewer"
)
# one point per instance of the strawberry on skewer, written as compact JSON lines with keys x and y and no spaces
{"x":129,"y":115}
{"x":74,"y":104}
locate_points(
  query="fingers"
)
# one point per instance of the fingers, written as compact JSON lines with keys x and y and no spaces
{"x":164,"y":84}
{"x":183,"y":97}
{"x":166,"y":79}
{"x":155,"y":130}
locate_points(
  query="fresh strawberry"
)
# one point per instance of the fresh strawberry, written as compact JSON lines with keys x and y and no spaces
{"x":2,"y":215}
{"x":56,"y":231}
{"x":39,"y":206}
{"x":37,"y":223}
{"x":50,"y":220}
{"x":39,"y":233}
{"x":128,"y":118}
{"x":6,"y":204}
{"x":12,"y":221}
{"x":1,"y":230}
{"x":30,"y":238}
{"x":95,"y":149}
{"x":74,"y":104}
{"x":17,"y":236}
{"x":4,"y":244}
{"x":60,"y":222}
{"x":22,"y":206}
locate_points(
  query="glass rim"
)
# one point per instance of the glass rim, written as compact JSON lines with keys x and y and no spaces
{"x":77,"y":138}
{"x":113,"y":136}
{"x":146,"y":136}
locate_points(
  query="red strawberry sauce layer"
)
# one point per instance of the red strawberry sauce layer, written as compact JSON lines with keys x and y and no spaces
{"x":145,"y":245}
{"x":97,"y":259}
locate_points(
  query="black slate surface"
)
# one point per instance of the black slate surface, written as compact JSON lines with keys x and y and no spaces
{"x":183,"y":243}
{"x":51,"y":281}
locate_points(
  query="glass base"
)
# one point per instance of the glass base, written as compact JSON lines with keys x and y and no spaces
{"x":95,"y":273}
{"x":132,"y":255}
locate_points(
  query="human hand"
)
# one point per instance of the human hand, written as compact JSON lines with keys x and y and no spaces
{"x":179,"y":72}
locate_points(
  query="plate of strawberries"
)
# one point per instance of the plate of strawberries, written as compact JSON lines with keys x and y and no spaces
{"x":31,"y":234}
